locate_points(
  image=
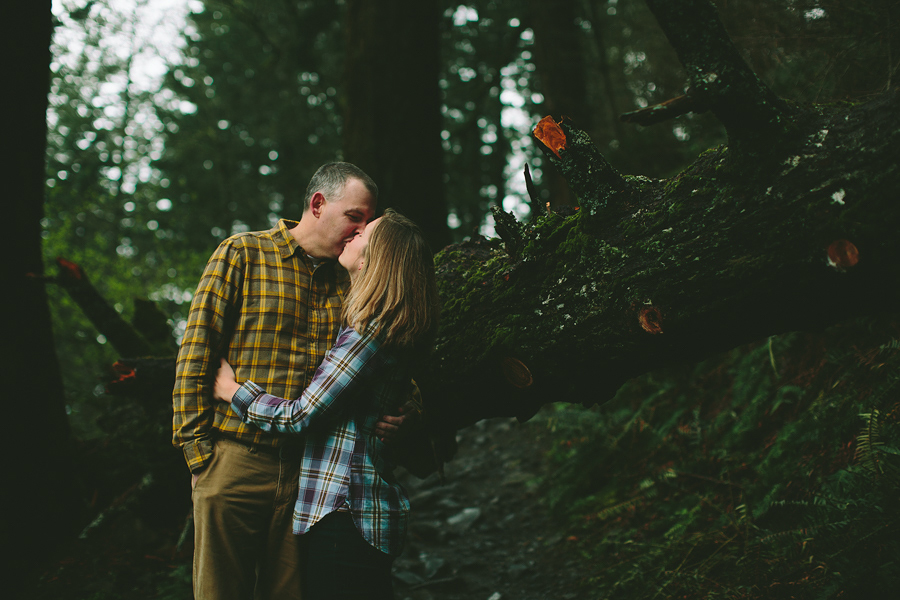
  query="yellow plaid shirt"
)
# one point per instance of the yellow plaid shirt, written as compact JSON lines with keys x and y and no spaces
{"x":264,"y":307}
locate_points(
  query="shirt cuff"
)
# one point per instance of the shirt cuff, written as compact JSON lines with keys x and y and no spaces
{"x":246,"y":394}
{"x":197,"y":453}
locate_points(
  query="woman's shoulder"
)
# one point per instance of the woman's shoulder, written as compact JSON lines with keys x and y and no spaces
{"x":368,"y":337}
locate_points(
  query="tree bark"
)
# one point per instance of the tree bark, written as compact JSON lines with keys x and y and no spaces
{"x":37,"y":491}
{"x":392,"y":120}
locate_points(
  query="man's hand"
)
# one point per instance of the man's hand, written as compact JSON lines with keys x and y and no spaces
{"x":391,"y":428}
{"x":226,"y":385}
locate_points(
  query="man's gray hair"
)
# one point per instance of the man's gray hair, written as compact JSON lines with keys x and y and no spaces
{"x":331,"y":178}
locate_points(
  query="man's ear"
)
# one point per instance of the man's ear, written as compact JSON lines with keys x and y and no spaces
{"x":316,"y":203}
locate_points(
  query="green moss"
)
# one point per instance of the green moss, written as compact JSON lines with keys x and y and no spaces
{"x":575,"y":243}
{"x":548,"y":233}
{"x":448,"y":256}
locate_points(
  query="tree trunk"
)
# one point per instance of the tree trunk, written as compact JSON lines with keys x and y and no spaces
{"x":37,"y":491}
{"x":392,"y":119}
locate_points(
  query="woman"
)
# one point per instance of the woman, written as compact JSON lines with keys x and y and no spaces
{"x":351,"y":511}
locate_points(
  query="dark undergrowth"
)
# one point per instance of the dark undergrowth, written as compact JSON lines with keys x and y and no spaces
{"x":772,"y":471}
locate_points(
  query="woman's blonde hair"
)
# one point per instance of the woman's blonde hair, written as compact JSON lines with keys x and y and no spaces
{"x":395,"y":292}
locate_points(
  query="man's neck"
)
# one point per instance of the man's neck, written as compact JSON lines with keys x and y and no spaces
{"x":304,"y":235}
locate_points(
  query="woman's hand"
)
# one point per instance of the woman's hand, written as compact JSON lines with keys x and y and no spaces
{"x":226,"y":384}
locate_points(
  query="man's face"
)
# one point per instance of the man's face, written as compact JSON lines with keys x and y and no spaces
{"x":342,"y":219}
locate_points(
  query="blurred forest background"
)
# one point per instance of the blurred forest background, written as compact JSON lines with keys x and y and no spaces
{"x":771,"y":471}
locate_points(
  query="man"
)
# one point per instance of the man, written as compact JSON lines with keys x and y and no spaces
{"x":269,"y":303}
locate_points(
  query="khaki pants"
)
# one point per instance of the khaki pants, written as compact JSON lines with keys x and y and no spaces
{"x":243,"y":545}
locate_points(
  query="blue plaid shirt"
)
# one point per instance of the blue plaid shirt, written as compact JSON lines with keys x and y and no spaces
{"x":344,"y":463}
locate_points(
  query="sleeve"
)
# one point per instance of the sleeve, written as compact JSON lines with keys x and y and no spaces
{"x":214,"y":304}
{"x":346,"y":366}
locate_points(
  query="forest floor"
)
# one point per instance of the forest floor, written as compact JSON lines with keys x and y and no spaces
{"x":484,"y":534}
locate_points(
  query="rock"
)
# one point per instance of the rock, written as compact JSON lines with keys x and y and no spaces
{"x":407,"y":577}
{"x":431,"y":565}
{"x":463,"y":520}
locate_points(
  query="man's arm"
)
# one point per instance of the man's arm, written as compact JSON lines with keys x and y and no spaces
{"x":213,"y":305}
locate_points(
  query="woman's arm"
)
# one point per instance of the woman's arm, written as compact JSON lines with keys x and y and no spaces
{"x":353,"y":358}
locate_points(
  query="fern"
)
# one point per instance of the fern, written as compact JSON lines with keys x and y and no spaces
{"x":867,"y":443}
{"x":891,"y":346}
{"x":724,"y":481}
{"x":646,"y":491}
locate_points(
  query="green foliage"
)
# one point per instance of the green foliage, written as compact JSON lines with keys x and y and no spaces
{"x":106,"y":208}
{"x":729,"y":480}
{"x":486,"y":51}
{"x":261,"y":88}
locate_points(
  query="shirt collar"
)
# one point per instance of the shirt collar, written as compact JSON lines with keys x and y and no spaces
{"x":288,"y":247}
{"x":285,"y":242}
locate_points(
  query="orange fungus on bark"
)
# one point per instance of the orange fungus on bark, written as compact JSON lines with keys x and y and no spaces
{"x":516,"y":372}
{"x":123,"y":371}
{"x":842,"y":254}
{"x":550,"y":134}
{"x":651,"y":319}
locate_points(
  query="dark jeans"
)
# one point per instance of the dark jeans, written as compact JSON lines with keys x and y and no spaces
{"x":341,"y":565}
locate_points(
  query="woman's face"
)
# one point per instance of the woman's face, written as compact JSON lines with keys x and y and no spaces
{"x":352,"y":256}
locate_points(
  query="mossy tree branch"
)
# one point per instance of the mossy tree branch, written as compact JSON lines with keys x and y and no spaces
{"x":600,"y":189}
{"x":734,"y":249}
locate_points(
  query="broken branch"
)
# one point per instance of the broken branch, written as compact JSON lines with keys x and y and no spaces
{"x":598,"y":185}
{"x":665,"y":111}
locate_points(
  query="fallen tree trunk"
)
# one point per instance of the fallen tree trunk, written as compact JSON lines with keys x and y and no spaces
{"x":147,"y":334}
{"x":792,"y":225}
{"x":732,"y":250}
